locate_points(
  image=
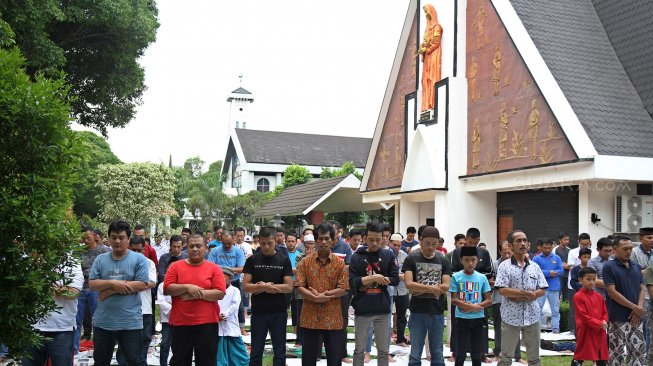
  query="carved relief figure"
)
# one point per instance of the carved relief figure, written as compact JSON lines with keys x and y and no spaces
{"x":476,"y":143}
{"x":473,"y":71}
{"x":503,"y":131}
{"x":478,"y":23}
{"x":533,"y":124}
{"x":496,"y":73}
{"x":431,"y":57}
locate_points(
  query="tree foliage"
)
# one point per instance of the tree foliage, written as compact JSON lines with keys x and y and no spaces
{"x":136,"y":192}
{"x":206,"y":198}
{"x":294,"y":175}
{"x":96,"y":43}
{"x":37,"y":228}
{"x":239,"y":210}
{"x":95,"y":152}
{"x":346,"y":169}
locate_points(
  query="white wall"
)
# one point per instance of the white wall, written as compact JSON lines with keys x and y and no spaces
{"x":601,"y":200}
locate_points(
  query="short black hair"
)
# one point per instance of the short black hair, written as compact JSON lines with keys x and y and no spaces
{"x":148,"y":240}
{"x":325,"y":228}
{"x":139,"y":227}
{"x":585,"y":271}
{"x":511,"y":235}
{"x":175,"y":238}
{"x":216,"y":228}
{"x":335,"y":223}
{"x":562,"y":235}
{"x":473,"y":232}
{"x":411,"y":230}
{"x":618,"y":239}
{"x":386,"y":227}
{"x":239,"y":229}
{"x":279,"y":229}
{"x":172,"y":260}
{"x":420,"y":230}
{"x":353,"y":232}
{"x":186,"y":230}
{"x":118,"y":227}
{"x":99,"y":233}
{"x":255,"y":236}
{"x":307,"y":229}
{"x":374,"y":227}
{"x":136,"y":240}
{"x":584,"y":251}
{"x":603,"y":242}
{"x":198,"y":232}
{"x":458,"y":237}
{"x":583,"y":236}
{"x":442,"y":241}
{"x":87,"y":228}
{"x":268,"y":232}
{"x":293,"y":234}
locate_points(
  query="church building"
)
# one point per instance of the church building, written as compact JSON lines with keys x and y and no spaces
{"x":518,"y":114}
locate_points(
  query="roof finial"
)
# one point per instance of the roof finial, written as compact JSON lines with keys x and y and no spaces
{"x":241,"y":79}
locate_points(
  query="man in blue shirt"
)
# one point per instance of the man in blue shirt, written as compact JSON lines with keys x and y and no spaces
{"x":217,"y":236}
{"x":119,"y":276}
{"x":228,"y":256}
{"x":551,"y":265}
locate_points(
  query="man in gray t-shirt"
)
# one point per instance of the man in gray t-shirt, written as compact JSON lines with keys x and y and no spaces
{"x":87,"y":299}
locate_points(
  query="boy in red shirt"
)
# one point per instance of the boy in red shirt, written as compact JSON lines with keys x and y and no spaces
{"x":591,"y":321}
{"x":195,"y":285}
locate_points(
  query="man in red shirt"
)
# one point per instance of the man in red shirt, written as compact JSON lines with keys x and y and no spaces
{"x":195,"y":285}
{"x":149,"y":252}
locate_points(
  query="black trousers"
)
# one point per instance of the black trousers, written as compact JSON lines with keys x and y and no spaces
{"x":311,"y":346}
{"x":201,"y":339}
{"x":469,"y":329}
{"x":344,"y":305}
{"x":453,"y":342}
{"x":401,"y":304}
{"x":496,"y":317}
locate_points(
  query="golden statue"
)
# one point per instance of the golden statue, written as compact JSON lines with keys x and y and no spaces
{"x":476,"y":143}
{"x":533,"y":122}
{"x":431,"y":57}
{"x":503,"y":131}
{"x":473,"y":72}
{"x":496,"y":74}
{"x":480,"y":32}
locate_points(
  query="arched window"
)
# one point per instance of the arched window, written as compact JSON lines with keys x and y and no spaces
{"x":263,"y":185}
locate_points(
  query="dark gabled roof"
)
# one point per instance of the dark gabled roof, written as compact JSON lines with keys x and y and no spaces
{"x":629,"y":24}
{"x":273,"y":147}
{"x":294,"y":200}
{"x":240,"y":90}
{"x":576,"y":48}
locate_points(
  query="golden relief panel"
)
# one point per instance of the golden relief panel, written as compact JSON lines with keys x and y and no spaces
{"x":511,"y":125}
{"x":388,"y":168}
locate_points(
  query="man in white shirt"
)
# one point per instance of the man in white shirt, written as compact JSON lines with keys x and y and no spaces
{"x":160,"y":246}
{"x":59,"y":325}
{"x":165,"y":304}
{"x":137,"y":244}
{"x":239,"y":242}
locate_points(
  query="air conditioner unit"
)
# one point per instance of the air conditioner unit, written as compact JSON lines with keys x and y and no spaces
{"x":633,"y":213}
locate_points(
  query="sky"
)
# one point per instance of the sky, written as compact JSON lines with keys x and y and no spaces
{"x":313,"y":67}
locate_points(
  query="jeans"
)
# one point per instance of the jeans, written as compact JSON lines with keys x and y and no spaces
{"x":131,"y":342}
{"x":401,"y":304}
{"x":381,"y":324}
{"x":86,"y":298}
{"x":554,"y":303}
{"x":275,"y":323}
{"x":146,"y":339}
{"x":472,"y":330}
{"x":311,"y":348}
{"x":420,"y":326}
{"x":164,"y":352}
{"x":58,"y":347}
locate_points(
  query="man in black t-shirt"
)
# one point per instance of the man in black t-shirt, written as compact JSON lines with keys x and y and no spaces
{"x":268,"y":277}
{"x":427,"y":275}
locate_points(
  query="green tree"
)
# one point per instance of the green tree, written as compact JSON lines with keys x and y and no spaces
{"x":194,"y":166}
{"x":37,"y":227}
{"x":95,"y":152}
{"x":136,"y":192}
{"x":346,"y":169}
{"x":294,"y":175}
{"x":96,"y":43}
{"x":206,"y":198}
{"x":239,"y":209}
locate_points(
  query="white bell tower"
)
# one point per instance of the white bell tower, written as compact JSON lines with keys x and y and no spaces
{"x":240,"y":101}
